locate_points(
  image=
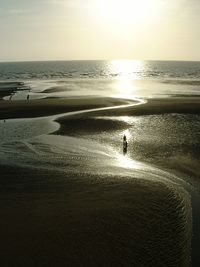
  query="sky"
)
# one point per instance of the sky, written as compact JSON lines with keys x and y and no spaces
{"x":99,"y":29}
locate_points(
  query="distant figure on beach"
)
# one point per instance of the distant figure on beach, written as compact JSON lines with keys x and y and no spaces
{"x":27,"y":97}
{"x":125,"y":144}
{"x":10,"y":98}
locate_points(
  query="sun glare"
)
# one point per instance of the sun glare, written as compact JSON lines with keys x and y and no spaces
{"x":128,"y":11}
{"x":126,"y":68}
{"x":125,"y":72}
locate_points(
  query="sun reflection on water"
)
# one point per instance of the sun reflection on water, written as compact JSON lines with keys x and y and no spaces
{"x":126,"y":68}
{"x":125,"y":72}
{"x":125,"y":88}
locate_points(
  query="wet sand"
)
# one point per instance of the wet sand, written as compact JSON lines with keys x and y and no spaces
{"x":45,"y":107}
{"x":51,"y":218}
{"x":87,"y":123}
{"x":62,"y":219}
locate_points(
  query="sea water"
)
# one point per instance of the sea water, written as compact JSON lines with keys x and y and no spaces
{"x":121,"y":78}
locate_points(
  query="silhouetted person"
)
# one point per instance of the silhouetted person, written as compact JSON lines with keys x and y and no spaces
{"x":125,"y":144}
{"x":124,"y":137}
{"x":27,"y":97}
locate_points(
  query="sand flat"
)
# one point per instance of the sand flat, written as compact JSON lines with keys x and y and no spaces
{"x":86,"y":218}
{"x":53,"y":218}
{"x":45,"y":107}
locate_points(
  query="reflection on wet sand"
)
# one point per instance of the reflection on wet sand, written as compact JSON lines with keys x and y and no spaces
{"x":92,"y":220}
{"x":75,"y":195}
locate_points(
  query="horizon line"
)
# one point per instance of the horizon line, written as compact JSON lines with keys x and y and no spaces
{"x":65,"y":60}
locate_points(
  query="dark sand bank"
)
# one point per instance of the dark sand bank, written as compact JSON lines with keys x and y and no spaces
{"x":56,"y":89}
{"x":58,"y":219}
{"x":89,"y":125}
{"x":44,"y":107}
{"x":159,"y":106}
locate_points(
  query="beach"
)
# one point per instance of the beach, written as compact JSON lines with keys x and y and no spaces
{"x":92,"y":220}
{"x":89,"y":218}
{"x":70,"y":197}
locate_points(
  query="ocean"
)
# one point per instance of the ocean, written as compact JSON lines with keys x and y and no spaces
{"x":75,"y":155}
{"x":97,"y":69}
{"x":122,"y":78}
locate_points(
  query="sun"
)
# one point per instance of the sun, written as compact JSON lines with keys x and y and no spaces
{"x":126,"y":12}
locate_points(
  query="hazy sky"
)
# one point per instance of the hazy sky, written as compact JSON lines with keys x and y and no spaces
{"x":99,"y":29}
